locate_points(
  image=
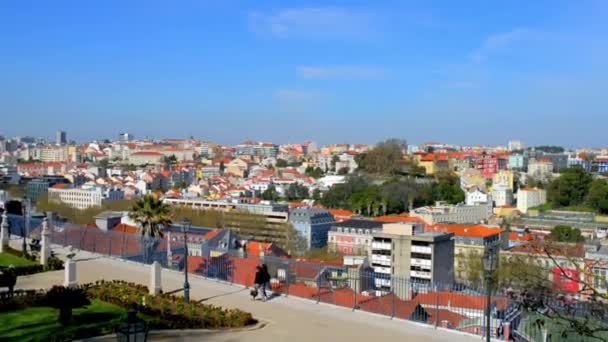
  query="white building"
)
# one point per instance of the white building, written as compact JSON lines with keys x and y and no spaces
{"x":79,"y":198}
{"x":529,"y":198}
{"x":476,"y":196}
{"x":458,"y":214}
{"x":502,"y":195}
{"x":540,"y":168}
{"x":515,"y":145}
{"x":53,"y":154}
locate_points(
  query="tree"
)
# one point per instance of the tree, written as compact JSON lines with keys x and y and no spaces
{"x":570,"y":188}
{"x":314,"y":172}
{"x":563,"y":233}
{"x":385,"y":158}
{"x":170,"y":160}
{"x":447,"y":189}
{"x":151,"y":215}
{"x":334,"y":160}
{"x":343,"y":171}
{"x":281,"y":163}
{"x":316,"y":194}
{"x":222,"y":168}
{"x":270,"y":194}
{"x":65,"y":299}
{"x":296,"y":191}
{"x":597,"y":197}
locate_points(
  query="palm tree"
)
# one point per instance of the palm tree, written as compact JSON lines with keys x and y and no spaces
{"x":151,"y":215}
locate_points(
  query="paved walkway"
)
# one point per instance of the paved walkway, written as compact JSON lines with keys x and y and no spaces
{"x":288,"y":319}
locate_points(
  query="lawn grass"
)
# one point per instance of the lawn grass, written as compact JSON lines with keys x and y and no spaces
{"x":41,"y":323}
{"x":7,"y":259}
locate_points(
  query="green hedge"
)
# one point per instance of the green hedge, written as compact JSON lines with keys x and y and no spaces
{"x":54,"y":264}
{"x":167,"y":311}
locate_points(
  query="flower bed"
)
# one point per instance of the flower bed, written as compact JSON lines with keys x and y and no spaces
{"x":166,"y":311}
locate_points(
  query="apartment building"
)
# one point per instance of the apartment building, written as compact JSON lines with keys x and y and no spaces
{"x":470,"y":240}
{"x":352,"y":237}
{"x":79,"y":198}
{"x":313,"y":224}
{"x":53,"y":154}
{"x":540,"y":168}
{"x":406,"y":259}
{"x":459,"y":213}
{"x":530,"y":197}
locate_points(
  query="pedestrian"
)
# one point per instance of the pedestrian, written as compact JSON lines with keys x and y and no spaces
{"x":259,"y":282}
{"x":266,"y":277}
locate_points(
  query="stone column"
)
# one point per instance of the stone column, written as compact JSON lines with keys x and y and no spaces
{"x":45,"y":250}
{"x":155,"y":278}
{"x":70,"y":273}
{"x":4,"y":233}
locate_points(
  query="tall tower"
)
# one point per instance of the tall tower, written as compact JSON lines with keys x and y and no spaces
{"x":61,"y":138}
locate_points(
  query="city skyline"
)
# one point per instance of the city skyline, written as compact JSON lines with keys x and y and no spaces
{"x":233,"y":71}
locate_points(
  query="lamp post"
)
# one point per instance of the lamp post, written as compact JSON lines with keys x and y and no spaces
{"x":133,"y":329}
{"x":185,"y":228}
{"x":24,"y":227}
{"x":490,"y":263}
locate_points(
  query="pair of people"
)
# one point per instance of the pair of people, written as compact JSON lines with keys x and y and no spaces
{"x":262,"y":279}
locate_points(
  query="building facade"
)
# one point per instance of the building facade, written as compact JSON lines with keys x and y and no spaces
{"x":529,"y":198}
{"x":81,"y":198}
{"x":313,"y":224}
{"x":459,"y":213}
{"x":405,"y":251}
{"x":352,"y":237}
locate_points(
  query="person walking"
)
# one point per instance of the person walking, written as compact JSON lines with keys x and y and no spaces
{"x":266,"y":276}
{"x":259,"y":282}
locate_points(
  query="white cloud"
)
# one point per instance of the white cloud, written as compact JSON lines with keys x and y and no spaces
{"x":323,"y":22}
{"x":340,"y":72}
{"x":500,"y":41}
{"x":291,"y":95}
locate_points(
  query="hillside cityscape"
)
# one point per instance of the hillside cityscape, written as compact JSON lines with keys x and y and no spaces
{"x":410,"y":221}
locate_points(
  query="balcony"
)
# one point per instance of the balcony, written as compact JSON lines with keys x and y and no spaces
{"x":381,"y":245}
{"x":383,"y":270}
{"x":381,"y":259}
{"x":419,"y":274}
{"x":422,"y":249}
{"x":421,"y":262}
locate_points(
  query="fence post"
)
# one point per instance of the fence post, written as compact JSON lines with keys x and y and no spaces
{"x":393,"y":298}
{"x":436,"y":307}
{"x":287,"y":273}
{"x":110,"y":250}
{"x":355,"y":290}
{"x":319,"y":285}
{"x":65,"y":237}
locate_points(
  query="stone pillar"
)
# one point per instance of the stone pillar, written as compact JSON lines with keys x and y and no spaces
{"x":45,"y":250}
{"x":155,"y":278}
{"x":169,"y":253}
{"x":70,"y":273}
{"x":4,"y":233}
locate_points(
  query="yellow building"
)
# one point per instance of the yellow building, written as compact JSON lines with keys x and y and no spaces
{"x":503,"y":177}
{"x":435,"y":163}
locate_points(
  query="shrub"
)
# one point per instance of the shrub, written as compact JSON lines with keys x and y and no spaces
{"x":65,"y":299}
{"x":20,"y":299}
{"x":167,"y":311}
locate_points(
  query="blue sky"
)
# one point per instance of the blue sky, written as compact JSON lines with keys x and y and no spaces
{"x":287,"y":71}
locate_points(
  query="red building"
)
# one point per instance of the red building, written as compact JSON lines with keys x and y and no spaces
{"x":489,"y":164}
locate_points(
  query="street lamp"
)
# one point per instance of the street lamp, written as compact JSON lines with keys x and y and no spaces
{"x":185,"y":228}
{"x":133,"y":329}
{"x":24,"y":226}
{"x":490,"y":263}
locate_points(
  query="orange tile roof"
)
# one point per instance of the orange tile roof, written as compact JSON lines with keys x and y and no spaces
{"x":148,"y":153}
{"x":475,"y":231}
{"x":405,"y":218}
{"x":458,"y":300}
{"x":125,"y":228}
{"x":341,"y":212}
{"x":211,"y":234}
